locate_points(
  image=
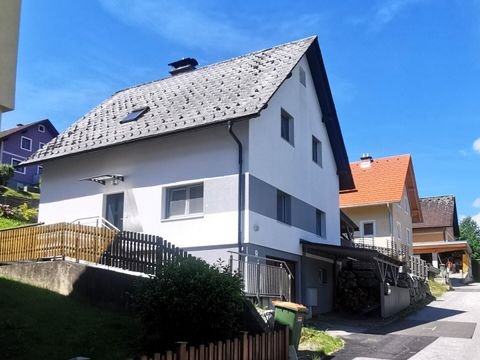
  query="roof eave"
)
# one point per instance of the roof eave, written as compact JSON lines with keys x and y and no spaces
{"x":44,"y":160}
{"x":330,"y":118}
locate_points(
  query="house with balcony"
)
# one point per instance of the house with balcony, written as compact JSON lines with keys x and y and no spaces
{"x":384,"y":204}
{"x":224,"y":161}
{"x":18,"y":144}
{"x":435,"y":239}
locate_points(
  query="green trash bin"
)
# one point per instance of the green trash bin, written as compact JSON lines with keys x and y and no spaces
{"x":291,"y":315}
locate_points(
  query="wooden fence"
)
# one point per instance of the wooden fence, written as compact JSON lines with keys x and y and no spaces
{"x":265,"y":346}
{"x":125,"y":250}
{"x":418,"y":267}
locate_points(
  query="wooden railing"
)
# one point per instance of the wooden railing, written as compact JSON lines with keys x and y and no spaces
{"x":265,"y":346}
{"x":126,"y":250}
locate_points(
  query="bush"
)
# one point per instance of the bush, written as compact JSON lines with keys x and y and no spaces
{"x":7,"y":211}
{"x":190,"y":301}
{"x":6,"y":172}
{"x":23,"y":212}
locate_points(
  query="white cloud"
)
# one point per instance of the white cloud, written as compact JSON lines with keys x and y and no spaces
{"x":385,"y":13}
{"x":476,"y":203}
{"x":461,"y":217}
{"x":476,"y":145}
{"x":198,"y":26}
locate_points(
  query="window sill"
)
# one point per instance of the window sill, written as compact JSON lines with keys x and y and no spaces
{"x":284,"y":223}
{"x":185,"y":217}
{"x":291,"y":143}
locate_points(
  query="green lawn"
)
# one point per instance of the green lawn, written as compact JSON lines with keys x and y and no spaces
{"x":40,"y":324}
{"x":6,"y":223}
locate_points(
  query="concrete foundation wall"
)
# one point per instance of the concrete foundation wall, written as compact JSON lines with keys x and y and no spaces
{"x":96,"y":285}
{"x":398,"y":300}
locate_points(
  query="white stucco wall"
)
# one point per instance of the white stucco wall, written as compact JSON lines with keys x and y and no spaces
{"x":290,"y":168}
{"x":208,"y":155}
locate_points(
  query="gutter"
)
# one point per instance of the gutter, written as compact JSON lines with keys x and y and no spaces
{"x":240,"y":191}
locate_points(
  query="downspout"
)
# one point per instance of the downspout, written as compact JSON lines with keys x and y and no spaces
{"x":240,"y":191}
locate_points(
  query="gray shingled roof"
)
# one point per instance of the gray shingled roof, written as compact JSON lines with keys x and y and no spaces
{"x":439,"y":211}
{"x":232,"y":89}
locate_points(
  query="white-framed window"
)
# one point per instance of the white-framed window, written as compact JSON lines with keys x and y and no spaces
{"x":184,"y":201}
{"x":41,"y":145}
{"x":367,"y":228}
{"x":15,"y":162}
{"x":287,"y":127}
{"x":316,"y":151}
{"x":41,"y":128}
{"x":303,"y":77}
{"x":39,"y":170}
{"x":320,"y":223}
{"x":26,"y":143}
{"x":399,"y":231}
{"x":408,"y":236}
{"x":284,"y":207}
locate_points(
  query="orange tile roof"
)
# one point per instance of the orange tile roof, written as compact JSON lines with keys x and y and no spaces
{"x":381,"y":182}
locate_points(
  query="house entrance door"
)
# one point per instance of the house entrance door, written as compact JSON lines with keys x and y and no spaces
{"x":114,"y":209}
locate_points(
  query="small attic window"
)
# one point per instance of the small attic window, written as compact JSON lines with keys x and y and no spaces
{"x":135,"y":115}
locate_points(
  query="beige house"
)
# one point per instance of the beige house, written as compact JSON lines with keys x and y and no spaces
{"x":9,"y":26}
{"x":385,"y":203}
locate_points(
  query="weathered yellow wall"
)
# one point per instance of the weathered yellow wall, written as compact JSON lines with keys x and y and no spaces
{"x":9,"y":26}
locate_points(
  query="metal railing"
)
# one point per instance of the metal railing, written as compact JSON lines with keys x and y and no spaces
{"x":261,"y":279}
{"x":97,"y":221}
{"x":418,"y":267}
{"x":386,"y":247}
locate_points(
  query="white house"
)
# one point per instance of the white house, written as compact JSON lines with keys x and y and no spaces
{"x":245,"y":155}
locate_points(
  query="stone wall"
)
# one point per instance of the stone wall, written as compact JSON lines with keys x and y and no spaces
{"x":93,"y":284}
{"x":418,"y":287}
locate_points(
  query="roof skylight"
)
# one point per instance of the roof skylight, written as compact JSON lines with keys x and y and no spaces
{"x":135,"y":115}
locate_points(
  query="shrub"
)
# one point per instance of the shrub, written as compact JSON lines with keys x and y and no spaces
{"x":7,"y":211}
{"x":23,"y":212}
{"x":6,"y":172}
{"x":190,"y":301}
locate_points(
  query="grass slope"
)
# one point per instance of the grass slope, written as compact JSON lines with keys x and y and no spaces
{"x":437,"y":289}
{"x":40,"y":324}
{"x":7,"y":191}
{"x":317,"y":344}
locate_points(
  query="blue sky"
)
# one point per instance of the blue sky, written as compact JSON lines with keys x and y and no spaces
{"x":405,"y":74}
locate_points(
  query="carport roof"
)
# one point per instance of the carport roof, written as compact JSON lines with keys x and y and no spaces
{"x":343,"y":252}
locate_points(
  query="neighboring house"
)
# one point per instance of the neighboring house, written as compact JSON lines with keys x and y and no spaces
{"x":435,"y":238}
{"x":9,"y":26}
{"x":19,"y":143}
{"x":163,"y":158}
{"x":385,"y":202}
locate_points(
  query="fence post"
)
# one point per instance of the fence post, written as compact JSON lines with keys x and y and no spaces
{"x":287,"y":341}
{"x":230,"y":264}
{"x":258,"y":278}
{"x":244,"y":346}
{"x":181,"y":350}
{"x":62,"y":241}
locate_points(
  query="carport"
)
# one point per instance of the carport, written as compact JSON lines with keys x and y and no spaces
{"x":337,"y":256}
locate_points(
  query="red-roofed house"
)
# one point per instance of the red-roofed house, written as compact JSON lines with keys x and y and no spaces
{"x":385,"y":202}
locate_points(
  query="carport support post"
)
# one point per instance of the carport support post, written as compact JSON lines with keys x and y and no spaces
{"x":334,"y":280}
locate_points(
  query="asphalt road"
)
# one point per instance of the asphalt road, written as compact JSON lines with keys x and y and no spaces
{"x":445,"y":329}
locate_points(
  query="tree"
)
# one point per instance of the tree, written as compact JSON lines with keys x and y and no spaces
{"x":6,"y":172}
{"x":470,"y":231}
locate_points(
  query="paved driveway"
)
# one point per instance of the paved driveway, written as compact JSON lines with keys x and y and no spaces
{"x":445,"y":329}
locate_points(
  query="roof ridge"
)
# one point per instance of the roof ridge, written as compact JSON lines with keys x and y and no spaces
{"x":384,"y":158}
{"x":312,"y":38}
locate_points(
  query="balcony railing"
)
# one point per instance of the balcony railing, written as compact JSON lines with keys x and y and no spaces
{"x":386,"y":247}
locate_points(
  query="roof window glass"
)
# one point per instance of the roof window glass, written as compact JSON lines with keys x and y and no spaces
{"x":135,"y":115}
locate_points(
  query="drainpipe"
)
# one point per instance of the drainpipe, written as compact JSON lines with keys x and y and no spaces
{"x":240,"y":190}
